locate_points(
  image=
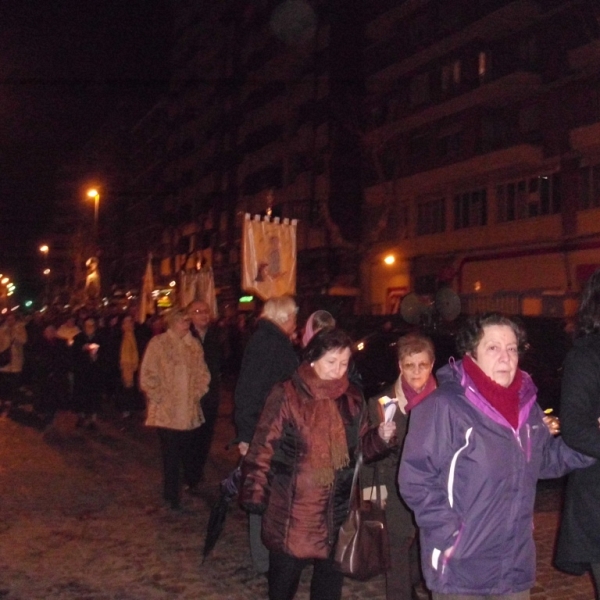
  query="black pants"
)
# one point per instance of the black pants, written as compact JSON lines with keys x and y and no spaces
{"x":51,"y":394}
{"x":403,"y":574}
{"x":9,"y":385}
{"x":179,"y":449}
{"x":128,"y":398}
{"x":210,"y":408}
{"x":284,"y":577}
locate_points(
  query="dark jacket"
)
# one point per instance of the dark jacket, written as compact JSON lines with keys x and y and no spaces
{"x":212,"y":357}
{"x":87,"y":374}
{"x":301,"y":519}
{"x":579,"y":537}
{"x":398,"y":516}
{"x":470,"y":479}
{"x":268,"y":359}
{"x":51,"y":373}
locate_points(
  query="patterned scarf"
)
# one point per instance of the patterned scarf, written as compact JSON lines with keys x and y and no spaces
{"x":327,"y":447}
{"x":504,"y":399}
{"x":129,"y":359}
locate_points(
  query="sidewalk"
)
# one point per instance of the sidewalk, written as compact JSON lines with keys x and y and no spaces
{"x":81,"y":519}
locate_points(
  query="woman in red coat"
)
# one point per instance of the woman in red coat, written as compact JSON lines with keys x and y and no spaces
{"x":298,"y":470}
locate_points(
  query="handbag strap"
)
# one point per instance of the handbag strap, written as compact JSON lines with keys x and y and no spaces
{"x":354,"y":491}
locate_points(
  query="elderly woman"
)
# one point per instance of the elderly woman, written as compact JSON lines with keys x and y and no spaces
{"x":174,"y":377}
{"x":318,"y":320}
{"x":415,"y":361}
{"x":578,"y":548}
{"x":129,"y":362}
{"x":298,"y":470}
{"x":474,"y":451}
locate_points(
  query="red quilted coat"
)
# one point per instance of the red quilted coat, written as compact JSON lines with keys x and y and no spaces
{"x":301,"y":518}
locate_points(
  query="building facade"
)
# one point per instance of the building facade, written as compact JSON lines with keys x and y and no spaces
{"x":483,"y":147}
{"x":252,"y":129}
{"x":458,"y":139}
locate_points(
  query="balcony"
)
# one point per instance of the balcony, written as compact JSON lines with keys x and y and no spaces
{"x":515,"y":16}
{"x":585,"y":139}
{"x":507,"y":89}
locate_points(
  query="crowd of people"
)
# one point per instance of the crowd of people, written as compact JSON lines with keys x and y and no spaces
{"x":454,"y":464}
{"x":88,"y":359}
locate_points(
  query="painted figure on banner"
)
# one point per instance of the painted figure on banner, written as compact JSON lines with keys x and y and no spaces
{"x":269,"y":258}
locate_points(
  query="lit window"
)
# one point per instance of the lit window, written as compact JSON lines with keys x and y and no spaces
{"x":533,"y":197}
{"x":470,"y":209}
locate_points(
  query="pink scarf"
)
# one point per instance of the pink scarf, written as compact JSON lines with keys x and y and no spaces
{"x":504,"y":399}
{"x":413,"y":397}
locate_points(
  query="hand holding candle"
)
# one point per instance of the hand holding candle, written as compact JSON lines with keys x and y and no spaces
{"x":388,"y":408}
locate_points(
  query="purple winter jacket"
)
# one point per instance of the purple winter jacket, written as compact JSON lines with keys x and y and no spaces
{"x":470,"y":479}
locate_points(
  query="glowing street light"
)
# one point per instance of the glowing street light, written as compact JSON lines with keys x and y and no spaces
{"x":46,"y":271}
{"x":44,"y":249}
{"x":390,"y":259}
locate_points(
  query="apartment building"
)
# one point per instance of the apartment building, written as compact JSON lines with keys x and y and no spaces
{"x":252,"y":129}
{"x":482,"y":132}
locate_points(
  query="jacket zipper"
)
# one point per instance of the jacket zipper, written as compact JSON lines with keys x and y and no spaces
{"x":453,"y":467}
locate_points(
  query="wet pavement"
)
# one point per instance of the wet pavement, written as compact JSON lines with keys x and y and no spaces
{"x":81,"y":519}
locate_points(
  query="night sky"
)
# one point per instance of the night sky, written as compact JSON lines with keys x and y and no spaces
{"x":64,"y":64}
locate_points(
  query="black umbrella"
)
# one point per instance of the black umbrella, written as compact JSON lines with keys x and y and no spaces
{"x":216,"y":520}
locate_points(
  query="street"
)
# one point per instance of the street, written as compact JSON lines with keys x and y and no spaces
{"x":81,"y":518}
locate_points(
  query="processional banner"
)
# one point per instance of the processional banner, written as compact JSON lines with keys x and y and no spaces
{"x":198,"y":285}
{"x":269,"y":256}
{"x":146,"y":300}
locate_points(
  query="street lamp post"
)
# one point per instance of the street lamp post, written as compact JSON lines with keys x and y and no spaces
{"x":93,"y":193}
{"x":47,"y":286}
{"x":44,"y":249}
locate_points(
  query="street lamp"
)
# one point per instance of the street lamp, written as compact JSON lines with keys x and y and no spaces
{"x":44,"y":249}
{"x":95,"y":195}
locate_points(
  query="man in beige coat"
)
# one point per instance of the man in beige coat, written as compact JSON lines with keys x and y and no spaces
{"x":174,"y":377}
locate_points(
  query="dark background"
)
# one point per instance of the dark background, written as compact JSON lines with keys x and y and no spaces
{"x":64,"y":65}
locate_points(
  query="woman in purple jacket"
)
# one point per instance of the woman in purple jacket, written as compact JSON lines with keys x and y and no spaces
{"x":473,"y":454}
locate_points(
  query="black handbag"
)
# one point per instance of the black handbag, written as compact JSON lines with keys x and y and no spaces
{"x":363,"y":548}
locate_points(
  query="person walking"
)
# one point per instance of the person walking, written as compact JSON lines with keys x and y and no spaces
{"x":51,"y":375}
{"x":316,"y":321}
{"x":299,"y":467}
{"x":174,"y":377}
{"x":416,"y":357}
{"x":13,"y":336}
{"x":87,"y":375}
{"x":474,"y":451}
{"x":578,"y":547}
{"x":269,"y":358}
{"x":127,"y":394}
{"x":207,"y":334}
